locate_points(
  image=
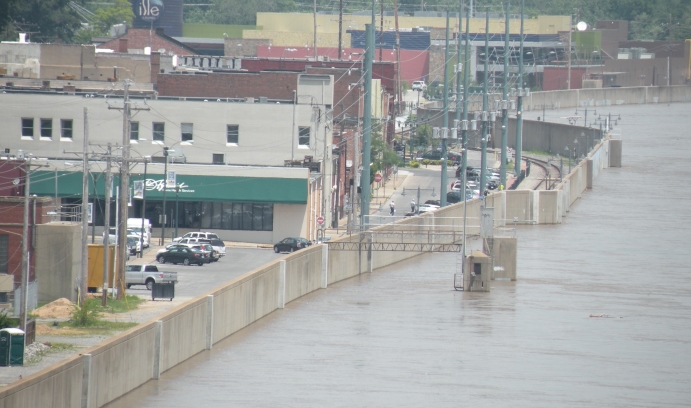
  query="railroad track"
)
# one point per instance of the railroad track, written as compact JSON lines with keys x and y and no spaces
{"x":551,"y":173}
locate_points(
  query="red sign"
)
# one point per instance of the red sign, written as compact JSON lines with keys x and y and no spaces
{"x":320,"y":220}
{"x":377,"y":177}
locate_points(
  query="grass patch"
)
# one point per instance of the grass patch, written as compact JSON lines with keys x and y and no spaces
{"x":129,"y":303}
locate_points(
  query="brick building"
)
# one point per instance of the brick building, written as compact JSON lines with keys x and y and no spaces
{"x":12,"y":181}
{"x":136,"y":40}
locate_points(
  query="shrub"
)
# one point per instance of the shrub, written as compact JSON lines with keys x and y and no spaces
{"x":7,"y":321}
{"x":86,"y":315}
{"x":414,"y":164}
{"x":426,"y":162}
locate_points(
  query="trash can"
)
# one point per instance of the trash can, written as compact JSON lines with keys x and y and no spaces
{"x":163,"y":290}
{"x":11,"y":347}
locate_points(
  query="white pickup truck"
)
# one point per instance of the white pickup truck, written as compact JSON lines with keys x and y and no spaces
{"x":147,"y":275}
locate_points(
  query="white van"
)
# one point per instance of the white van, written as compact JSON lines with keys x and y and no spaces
{"x":136,"y":225}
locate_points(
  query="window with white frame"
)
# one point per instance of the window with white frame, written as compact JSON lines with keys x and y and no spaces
{"x":218,"y":158}
{"x":187,"y":132}
{"x":159,"y":131}
{"x":232,"y":134}
{"x":134,"y":130}
{"x":28,"y":127}
{"x":66,"y":127}
{"x":46,"y":128}
{"x":304,"y":136}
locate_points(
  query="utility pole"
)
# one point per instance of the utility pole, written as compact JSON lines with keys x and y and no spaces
{"x":445,"y":132}
{"x":367,"y":125}
{"x":381,"y":32}
{"x":315,"y":29}
{"x":25,"y":245}
{"x":519,"y":103}
{"x":106,"y":229}
{"x":485,"y":113}
{"x":124,"y":196}
{"x":399,"y":93}
{"x":85,"y":209}
{"x":464,"y":127}
{"x":505,"y":102}
{"x":464,"y":161}
{"x":340,"y":29}
{"x":459,"y":68}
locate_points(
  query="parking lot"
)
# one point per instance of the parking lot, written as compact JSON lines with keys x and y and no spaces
{"x":194,"y":280}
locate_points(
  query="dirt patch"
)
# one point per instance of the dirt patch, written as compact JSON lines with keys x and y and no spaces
{"x":58,"y":309}
{"x":45,"y":330}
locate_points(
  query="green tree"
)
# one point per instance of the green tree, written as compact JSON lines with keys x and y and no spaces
{"x":104,"y":18}
{"x":44,"y":20}
{"x":119,"y":12}
{"x":422,"y":137}
{"x":382,"y":155}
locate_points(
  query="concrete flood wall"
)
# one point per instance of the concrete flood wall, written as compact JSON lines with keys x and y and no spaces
{"x":120,"y":364}
{"x":550,"y":206}
{"x":606,"y":97}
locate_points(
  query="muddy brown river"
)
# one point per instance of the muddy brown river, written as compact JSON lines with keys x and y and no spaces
{"x":600,"y":315}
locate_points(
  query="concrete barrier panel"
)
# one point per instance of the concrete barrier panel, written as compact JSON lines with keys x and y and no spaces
{"x":237,"y":303}
{"x":589,"y":173}
{"x":504,"y":257}
{"x":303,"y":272}
{"x":121,"y":364}
{"x":549,"y":207}
{"x":183,"y":334}
{"x":519,"y":205}
{"x":615,"y":152}
{"x":343,"y":265}
{"x":58,"y":386}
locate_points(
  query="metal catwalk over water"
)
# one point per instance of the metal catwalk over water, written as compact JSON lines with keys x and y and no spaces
{"x":600,"y":315}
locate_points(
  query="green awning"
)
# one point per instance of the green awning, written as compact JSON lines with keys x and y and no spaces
{"x":190,"y":187}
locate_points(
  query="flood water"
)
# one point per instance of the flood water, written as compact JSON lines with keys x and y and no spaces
{"x":403,"y":337}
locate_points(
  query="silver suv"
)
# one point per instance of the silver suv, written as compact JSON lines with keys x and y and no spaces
{"x":204,"y":235}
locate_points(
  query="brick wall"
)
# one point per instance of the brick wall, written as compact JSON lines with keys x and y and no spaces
{"x":243,"y":47}
{"x":11,"y":224}
{"x":273,"y":85}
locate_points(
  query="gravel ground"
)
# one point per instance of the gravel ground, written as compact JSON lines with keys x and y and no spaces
{"x":40,"y":355}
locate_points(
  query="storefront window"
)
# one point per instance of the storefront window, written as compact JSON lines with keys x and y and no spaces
{"x":234,"y":216}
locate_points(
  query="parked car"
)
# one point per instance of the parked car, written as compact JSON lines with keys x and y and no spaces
{"x":433,"y":202}
{"x":219,"y":247}
{"x":423,"y":208}
{"x":147,"y":275}
{"x":206,"y":235}
{"x":206,"y":250}
{"x":291,"y":244}
{"x":419,"y":86}
{"x":181,"y":254}
{"x":134,"y":245}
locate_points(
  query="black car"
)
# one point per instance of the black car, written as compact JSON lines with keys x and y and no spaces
{"x":180,"y":254}
{"x":436,"y":155}
{"x":433,"y":202}
{"x":291,"y":244}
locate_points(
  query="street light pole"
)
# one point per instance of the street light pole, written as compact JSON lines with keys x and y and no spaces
{"x":177,"y":218}
{"x":444,"y":154}
{"x":141,"y":235}
{"x":165,"y":187}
